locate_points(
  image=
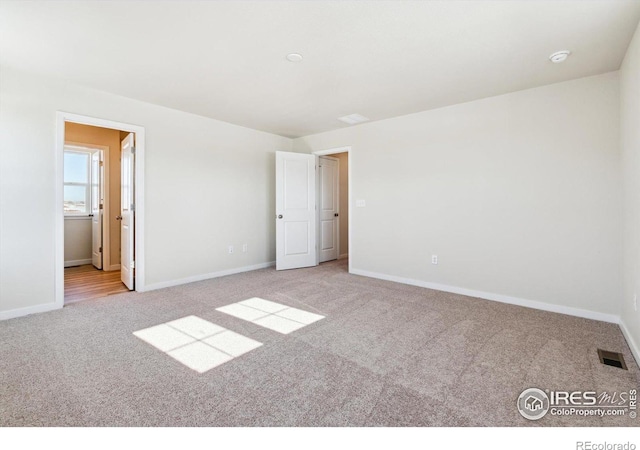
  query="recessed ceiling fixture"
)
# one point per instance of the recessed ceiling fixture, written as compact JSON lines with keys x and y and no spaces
{"x":560,"y":56}
{"x":353,"y":119}
{"x":294,"y":57}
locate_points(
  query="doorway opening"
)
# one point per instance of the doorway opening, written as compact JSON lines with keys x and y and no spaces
{"x":303,"y":233}
{"x":333,"y":207}
{"x":99,"y":209}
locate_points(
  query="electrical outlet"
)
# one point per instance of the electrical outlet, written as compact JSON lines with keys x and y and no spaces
{"x":361,"y":203}
{"x":244,"y":248}
{"x":434,"y":259}
{"x":231,"y":249}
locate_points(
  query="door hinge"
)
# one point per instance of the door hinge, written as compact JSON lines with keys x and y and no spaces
{"x":133,"y":150}
{"x":133,"y":207}
{"x":101,"y":164}
{"x":101,"y":206}
{"x":100,"y":250}
{"x":133,"y":264}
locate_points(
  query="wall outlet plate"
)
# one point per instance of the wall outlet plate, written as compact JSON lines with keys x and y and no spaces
{"x":231,"y":249}
{"x":434,"y":259}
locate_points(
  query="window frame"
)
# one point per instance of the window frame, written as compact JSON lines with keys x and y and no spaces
{"x":87,"y":185}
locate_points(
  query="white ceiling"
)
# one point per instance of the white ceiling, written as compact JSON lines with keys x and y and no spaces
{"x":226,"y":60}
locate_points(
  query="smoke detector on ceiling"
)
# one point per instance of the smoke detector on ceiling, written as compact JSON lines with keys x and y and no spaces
{"x":353,"y":119}
{"x":560,"y":56}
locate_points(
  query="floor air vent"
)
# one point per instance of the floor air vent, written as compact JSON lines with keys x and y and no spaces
{"x":612,"y":359}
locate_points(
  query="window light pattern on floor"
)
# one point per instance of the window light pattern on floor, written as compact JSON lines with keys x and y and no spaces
{"x":272,"y":315}
{"x":197,"y":343}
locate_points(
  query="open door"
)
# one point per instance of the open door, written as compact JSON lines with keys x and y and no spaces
{"x":328,"y":208}
{"x":96,"y":208}
{"x":295,"y":210}
{"x":127,"y":208}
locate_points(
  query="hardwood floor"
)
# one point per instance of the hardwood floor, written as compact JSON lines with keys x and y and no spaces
{"x":87,"y":282}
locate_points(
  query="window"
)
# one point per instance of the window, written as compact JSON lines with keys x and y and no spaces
{"x":77,"y":183}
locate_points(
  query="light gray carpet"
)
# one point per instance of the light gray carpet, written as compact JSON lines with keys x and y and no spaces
{"x":385,"y":355}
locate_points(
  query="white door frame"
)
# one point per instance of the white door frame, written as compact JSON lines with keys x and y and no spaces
{"x":106,"y":255}
{"x":61,"y":118}
{"x":333,"y":151}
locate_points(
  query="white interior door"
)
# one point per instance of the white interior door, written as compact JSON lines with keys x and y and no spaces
{"x":329,"y":172}
{"x":295,"y":210}
{"x":96,"y":209}
{"x":127,"y":209}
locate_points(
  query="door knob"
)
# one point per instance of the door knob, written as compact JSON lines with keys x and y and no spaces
{"x":335,"y":215}
{"x":118,"y":217}
{"x":279,"y":216}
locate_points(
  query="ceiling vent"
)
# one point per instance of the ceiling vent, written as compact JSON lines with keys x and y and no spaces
{"x":353,"y":119}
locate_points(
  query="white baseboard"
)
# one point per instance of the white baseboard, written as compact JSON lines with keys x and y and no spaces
{"x":635,"y":349}
{"x":113,"y":267}
{"x":19,"y":312}
{"x":78,"y":262}
{"x":584,"y":313}
{"x":343,"y":256}
{"x":633,"y":345}
{"x":206,"y":276}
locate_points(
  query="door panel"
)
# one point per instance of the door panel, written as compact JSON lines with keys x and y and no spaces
{"x":296,"y":186}
{"x":127,"y":213}
{"x":96,"y":209}
{"x":296,"y":237}
{"x":329,"y":207}
{"x":326,"y":238}
{"x":295,"y":210}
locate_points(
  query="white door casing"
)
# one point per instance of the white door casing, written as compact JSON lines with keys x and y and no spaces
{"x":127,"y":211}
{"x":295,"y":210}
{"x":62,"y":118}
{"x":97,"y":204}
{"x":328,"y":208}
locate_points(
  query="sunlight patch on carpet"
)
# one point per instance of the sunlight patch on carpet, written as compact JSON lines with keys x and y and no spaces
{"x":197,"y":343}
{"x":271,"y":315}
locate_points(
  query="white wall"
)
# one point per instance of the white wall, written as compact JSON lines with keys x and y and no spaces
{"x":630,"y":144}
{"x":519,"y":196}
{"x":78,"y":240}
{"x":208,"y":184}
